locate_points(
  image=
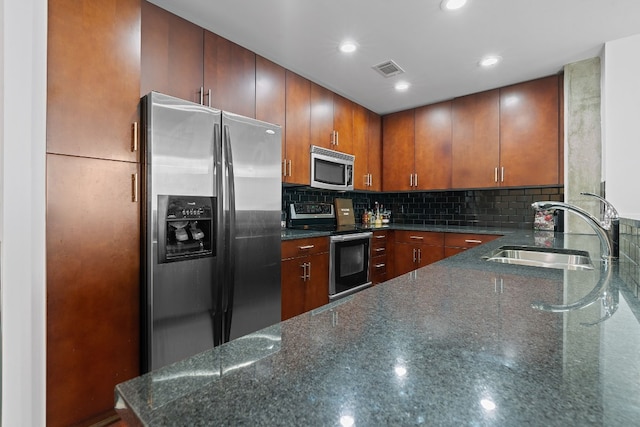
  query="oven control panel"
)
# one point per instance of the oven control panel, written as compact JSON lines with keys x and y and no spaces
{"x":311,"y":210}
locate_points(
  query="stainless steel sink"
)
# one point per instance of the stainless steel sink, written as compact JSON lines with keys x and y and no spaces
{"x":567,"y":259}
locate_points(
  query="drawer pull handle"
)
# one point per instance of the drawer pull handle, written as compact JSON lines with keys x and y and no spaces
{"x":380,"y":249}
{"x":416,"y":237}
{"x":472,"y":241}
{"x":304,"y":248}
{"x":380,"y":265}
{"x":380,"y":237}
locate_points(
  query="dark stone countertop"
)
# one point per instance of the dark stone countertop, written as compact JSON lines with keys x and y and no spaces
{"x":454,"y":343}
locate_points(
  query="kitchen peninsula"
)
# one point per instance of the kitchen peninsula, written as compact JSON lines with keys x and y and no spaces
{"x":454,"y":343}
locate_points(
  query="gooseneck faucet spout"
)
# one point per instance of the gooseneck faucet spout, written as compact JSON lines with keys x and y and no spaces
{"x":610,"y":222}
{"x":605,"y":239}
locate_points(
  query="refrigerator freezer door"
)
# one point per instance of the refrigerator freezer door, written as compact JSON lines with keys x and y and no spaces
{"x":180,"y":155}
{"x":253,"y":189}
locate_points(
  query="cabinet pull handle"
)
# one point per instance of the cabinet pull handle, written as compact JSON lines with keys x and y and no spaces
{"x":201,"y":92}
{"x":495,"y":174}
{"x":304,"y":271}
{"x":289,"y":167}
{"x":414,"y":255}
{"x":370,"y":180}
{"x":416,"y":180}
{"x":380,"y":249}
{"x":134,"y":142}
{"x":416,"y":237}
{"x":209,"y":97}
{"x":379,"y":265}
{"x":502,"y":174}
{"x":134,"y":187}
{"x":419,"y":256}
{"x":309,"y":271}
{"x":381,"y":236}
{"x":304,"y":248}
{"x":337,"y":138}
{"x":411,"y":180}
{"x":472,"y":241}
{"x":284,"y":167}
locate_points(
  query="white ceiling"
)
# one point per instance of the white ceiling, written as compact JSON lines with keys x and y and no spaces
{"x":438,"y":50}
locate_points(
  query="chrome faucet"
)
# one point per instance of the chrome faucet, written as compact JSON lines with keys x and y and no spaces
{"x":605,"y":238}
{"x":610,"y":222}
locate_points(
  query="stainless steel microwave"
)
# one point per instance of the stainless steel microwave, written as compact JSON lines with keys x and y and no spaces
{"x":331,"y":170}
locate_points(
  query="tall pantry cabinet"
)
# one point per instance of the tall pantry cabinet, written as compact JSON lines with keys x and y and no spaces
{"x":92,"y":206}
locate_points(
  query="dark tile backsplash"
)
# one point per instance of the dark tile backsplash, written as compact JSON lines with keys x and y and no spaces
{"x":629,"y":264}
{"x":509,"y":207}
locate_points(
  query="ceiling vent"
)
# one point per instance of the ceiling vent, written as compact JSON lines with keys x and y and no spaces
{"x":388,"y":69}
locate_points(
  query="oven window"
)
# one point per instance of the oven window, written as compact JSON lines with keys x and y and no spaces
{"x":329,"y":172}
{"x":351,"y":260}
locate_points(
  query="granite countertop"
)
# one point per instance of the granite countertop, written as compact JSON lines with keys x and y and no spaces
{"x":454,"y":343}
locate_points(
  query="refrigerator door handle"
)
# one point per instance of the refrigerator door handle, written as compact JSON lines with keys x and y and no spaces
{"x":217,"y":290}
{"x":230,"y":227}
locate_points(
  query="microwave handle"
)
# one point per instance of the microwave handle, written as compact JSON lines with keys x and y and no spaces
{"x":349,"y":175}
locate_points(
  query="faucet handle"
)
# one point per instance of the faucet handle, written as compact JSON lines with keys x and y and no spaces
{"x":610,"y":212}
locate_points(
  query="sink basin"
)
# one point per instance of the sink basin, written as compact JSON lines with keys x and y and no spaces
{"x":567,"y":259}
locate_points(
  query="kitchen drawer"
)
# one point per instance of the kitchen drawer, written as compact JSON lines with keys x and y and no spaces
{"x":379,"y":238}
{"x":465,"y":240}
{"x":420,"y":237}
{"x":303,"y":247}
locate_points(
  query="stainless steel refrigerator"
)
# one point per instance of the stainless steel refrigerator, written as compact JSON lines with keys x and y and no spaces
{"x":210,"y":228}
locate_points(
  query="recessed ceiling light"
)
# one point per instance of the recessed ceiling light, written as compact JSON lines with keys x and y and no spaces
{"x":348,"y":47}
{"x":452,"y":4}
{"x":402,"y":86}
{"x":490,"y":61}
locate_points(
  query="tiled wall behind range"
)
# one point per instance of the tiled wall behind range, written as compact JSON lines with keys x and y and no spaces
{"x":629,"y":262}
{"x":509,"y":207}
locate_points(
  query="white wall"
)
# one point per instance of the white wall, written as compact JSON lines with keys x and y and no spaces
{"x":23,"y":44}
{"x":621,"y":124}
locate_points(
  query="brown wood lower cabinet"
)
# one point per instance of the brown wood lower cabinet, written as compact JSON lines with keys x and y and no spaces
{"x":454,"y":243}
{"x":93,"y":303}
{"x":379,"y":265}
{"x":305,"y":275}
{"x":415,"y":249}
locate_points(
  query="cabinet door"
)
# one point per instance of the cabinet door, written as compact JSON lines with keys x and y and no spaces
{"x":321,"y":126}
{"x":300,"y":294}
{"x":433,"y":146}
{"x":93,"y":77}
{"x":93,"y":262}
{"x":271,"y":94}
{"x":343,"y":123}
{"x":171,"y":54}
{"x":398,"y":152}
{"x":230,"y":74}
{"x":476,"y":133}
{"x":429,"y":254}
{"x":360,"y":148}
{"x":298,"y":113}
{"x":529,"y":142}
{"x":406,"y":258}
{"x":374,"y":144}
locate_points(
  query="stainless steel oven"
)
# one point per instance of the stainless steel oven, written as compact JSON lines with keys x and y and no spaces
{"x":348,"y":263}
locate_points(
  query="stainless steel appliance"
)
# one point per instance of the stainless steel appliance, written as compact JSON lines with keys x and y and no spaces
{"x":331,"y":170}
{"x":349,"y":247}
{"x":211,"y":228}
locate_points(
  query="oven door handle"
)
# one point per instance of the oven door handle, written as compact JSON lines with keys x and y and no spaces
{"x":348,"y":237}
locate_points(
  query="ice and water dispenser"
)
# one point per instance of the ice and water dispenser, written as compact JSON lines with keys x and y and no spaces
{"x":186,"y":227}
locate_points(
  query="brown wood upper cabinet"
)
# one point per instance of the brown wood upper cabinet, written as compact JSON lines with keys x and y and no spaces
{"x":398,"y":152}
{"x":476,"y":140}
{"x":184,"y":60}
{"x":418,"y":149}
{"x":270,"y":95}
{"x":507,"y":137}
{"x":92,"y":110}
{"x":367,"y":148}
{"x":296,"y":157}
{"x":229,"y":76}
{"x":172,"y":60}
{"x":529,"y":133}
